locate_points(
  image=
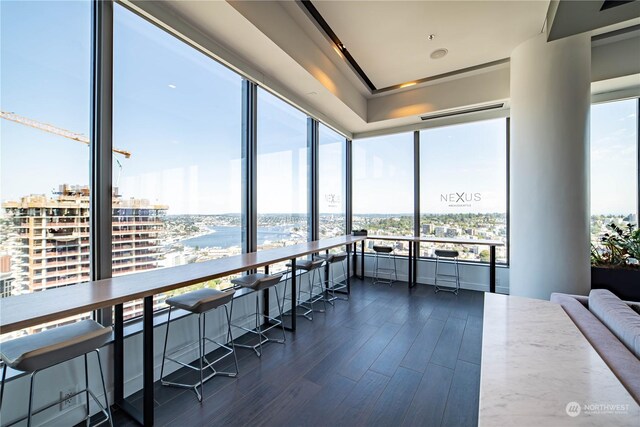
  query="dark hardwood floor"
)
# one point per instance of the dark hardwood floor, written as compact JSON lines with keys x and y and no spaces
{"x":388,"y":357}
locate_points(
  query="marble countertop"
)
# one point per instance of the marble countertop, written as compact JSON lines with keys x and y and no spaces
{"x":539,"y":370}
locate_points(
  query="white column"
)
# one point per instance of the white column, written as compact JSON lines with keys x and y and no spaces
{"x":550,"y":102}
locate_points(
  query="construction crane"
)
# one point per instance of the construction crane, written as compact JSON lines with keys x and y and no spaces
{"x":54,"y":130}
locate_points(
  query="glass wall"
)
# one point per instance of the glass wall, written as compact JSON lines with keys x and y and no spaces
{"x":44,"y":168}
{"x":282,"y":174}
{"x":383,"y":187}
{"x":177,"y":197}
{"x":332,"y":183}
{"x":614,"y":168}
{"x":463,"y":187}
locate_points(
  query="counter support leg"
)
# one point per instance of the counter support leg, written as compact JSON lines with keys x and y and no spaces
{"x":410,"y":265}
{"x":492,"y":269}
{"x":362,"y":260}
{"x":147,"y":362}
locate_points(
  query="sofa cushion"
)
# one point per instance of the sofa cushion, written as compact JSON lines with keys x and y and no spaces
{"x":619,"y":359}
{"x":616,"y":315}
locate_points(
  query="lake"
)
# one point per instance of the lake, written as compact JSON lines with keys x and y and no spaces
{"x":226,"y":237}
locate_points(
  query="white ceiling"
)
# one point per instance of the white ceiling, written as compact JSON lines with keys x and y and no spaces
{"x":389,"y":41}
{"x":275,"y":44}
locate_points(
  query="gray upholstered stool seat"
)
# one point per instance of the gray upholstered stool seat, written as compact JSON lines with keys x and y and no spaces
{"x":257,"y":281}
{"x":332,"y":285}
{"x":331,"y":258}
{"x":201,"y":300}
{"x":310,"y":266}
{"x":33,"y":353}
{"x":383,"y":249}
{"x":260,"y":282}
{"x":446,"y":253}
{"x":447,"y":277}
{"x":307,"y":264}
{"x":384,"y":253}
{"x":39,"y":351}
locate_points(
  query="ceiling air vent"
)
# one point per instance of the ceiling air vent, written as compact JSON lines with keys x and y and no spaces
{"x":608,"y":4}
{"x":464,"y":111}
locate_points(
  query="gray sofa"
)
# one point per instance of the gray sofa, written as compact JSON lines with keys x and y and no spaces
{"x":612,"y":326}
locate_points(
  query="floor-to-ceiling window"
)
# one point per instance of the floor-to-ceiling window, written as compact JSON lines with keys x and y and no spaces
{"x":282,"y":181}
{"x":383,"y":186}
{"x":45,"y":98}
{"x":331,"y":183}
{"x":463,"y":186}
{"x":178,"y":112}
{"x":614,"y":166}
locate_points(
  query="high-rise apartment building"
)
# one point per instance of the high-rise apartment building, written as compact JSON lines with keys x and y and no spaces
{"x":50,"y":239}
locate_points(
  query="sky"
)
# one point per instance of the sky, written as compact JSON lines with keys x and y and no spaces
{"x":614,"y":132}
{"x":463,"y":161}
{"x":179,"y":113}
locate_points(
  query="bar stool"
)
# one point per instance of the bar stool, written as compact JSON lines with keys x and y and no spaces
{"x":258,"y":282}
{"x":385,"y":252}
{"x":311,"y":267}
{"x":34,"y":353}
{"x":451,"y":278}
{"x":199,"y":302}
{"x":331,"y":259}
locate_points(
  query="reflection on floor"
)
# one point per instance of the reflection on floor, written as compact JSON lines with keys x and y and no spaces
{"x":387,"y":357}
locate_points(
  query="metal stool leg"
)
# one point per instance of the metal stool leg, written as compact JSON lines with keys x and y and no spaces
{"x":204,"y":341}
{"x":230,"y":337}
{"x":30,"y":407}
{"x":330,"y":292}
{"x":307,"y":305}
{"x":258,"y":326}
{"x":321,"y":295}
{"x":284,"y":337}
{"x":230,"y":316}
{"x":86,"y":386}
{"x":395,"y":268}
{"x":201,"y":354}
{"x":4,"y":378}
{"x":436,"y":276}
{"x":457,"y":277}
{"x":375,"y":270}
{"x":104,"y":389}
{"x":345,"y":277}
{"x":166,"y":338}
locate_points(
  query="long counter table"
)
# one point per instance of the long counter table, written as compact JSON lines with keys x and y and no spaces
{"x":415,"y":241}
{"x":538,"y":370}
{"x":33,"y":309}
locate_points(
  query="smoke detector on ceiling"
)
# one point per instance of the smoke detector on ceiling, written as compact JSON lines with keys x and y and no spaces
{"x":439,"y":53}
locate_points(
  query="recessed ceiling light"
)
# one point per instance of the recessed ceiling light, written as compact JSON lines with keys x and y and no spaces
{"x":172,"y":86}
{"x":431,"y":36}
{"x":407,"y":84}
{"x":439,"y":53}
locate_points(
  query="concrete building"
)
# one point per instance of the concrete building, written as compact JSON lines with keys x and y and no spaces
{"x":51,"y":248}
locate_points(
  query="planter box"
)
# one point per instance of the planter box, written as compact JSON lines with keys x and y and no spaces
{"x":625,"y":283}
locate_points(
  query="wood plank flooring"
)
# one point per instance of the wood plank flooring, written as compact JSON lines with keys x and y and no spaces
{"x":387,"y":357}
